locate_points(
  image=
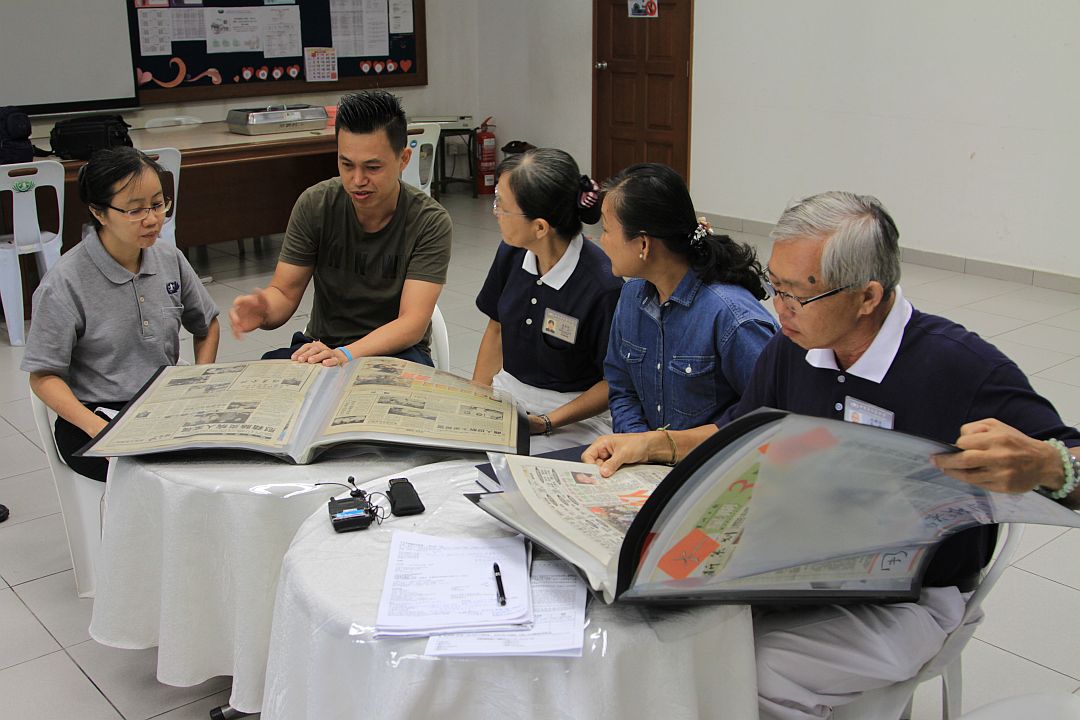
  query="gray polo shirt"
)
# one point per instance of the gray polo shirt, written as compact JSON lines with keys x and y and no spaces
{"x":105,"y":331}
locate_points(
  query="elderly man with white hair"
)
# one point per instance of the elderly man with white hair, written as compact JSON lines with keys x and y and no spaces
{"x":853,"y":348}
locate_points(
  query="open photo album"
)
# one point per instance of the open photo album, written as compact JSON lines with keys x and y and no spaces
{"x":295,"y":411}
{"x":773,"y":508}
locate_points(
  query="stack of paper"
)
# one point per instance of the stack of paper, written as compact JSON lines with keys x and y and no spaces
{"x":559,"y":621}
{"x":438,"y":585}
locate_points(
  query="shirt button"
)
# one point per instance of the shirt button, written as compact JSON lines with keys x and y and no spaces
{"x":141,"y":299}
{"x":533,"y":301}
{"x":539,"y":282}
{"x":688,"y":370}
{"x":657,"y":364}
{"x":145,"y":322}
{"x":528,"y":321}
{"x":839,"y":406}
{"x":841,"y":378}
{"x":657,"y":408}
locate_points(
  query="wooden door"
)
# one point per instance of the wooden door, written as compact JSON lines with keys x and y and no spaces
{"x":641,"y":86}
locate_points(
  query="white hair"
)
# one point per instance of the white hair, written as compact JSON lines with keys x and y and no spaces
{"x":861,"y":240}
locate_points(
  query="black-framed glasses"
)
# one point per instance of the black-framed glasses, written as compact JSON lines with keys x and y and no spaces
{"x":138,"y":214}
{"x":794,"y":302}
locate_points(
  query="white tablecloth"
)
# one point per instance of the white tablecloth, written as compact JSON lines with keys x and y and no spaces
{"x":192,"y":547}
{"x":638,"y":662}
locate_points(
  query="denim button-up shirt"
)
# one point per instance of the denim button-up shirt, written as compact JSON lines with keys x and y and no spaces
{"x":684,"y":362}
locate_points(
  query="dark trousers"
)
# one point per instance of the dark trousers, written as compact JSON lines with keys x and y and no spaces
{"x":70,"y":438}
{"x":299,"y":339}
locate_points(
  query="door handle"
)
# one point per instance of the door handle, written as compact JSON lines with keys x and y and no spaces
{"x":600,"y":65}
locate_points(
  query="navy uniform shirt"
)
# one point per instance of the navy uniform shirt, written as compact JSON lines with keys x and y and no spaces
{"x":941,"y":377}
{"x":554,"y":328}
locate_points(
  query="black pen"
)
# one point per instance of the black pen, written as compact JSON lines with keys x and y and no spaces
{"x":498,"y":584}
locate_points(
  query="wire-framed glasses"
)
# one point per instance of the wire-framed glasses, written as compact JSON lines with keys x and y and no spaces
{"x":794,"y":302}
{"x":496,"y":209}
{"x":138,"y":214}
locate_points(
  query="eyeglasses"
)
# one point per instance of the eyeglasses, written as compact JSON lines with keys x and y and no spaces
{"x":140,"y":213}
{"x":496,"y":210}
{"x":793,"y":302}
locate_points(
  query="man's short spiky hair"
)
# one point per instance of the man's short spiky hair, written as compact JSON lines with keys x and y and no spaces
{"x":368,"y":111}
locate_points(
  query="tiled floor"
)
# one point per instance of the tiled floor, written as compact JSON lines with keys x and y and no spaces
{"x":50,"y":669}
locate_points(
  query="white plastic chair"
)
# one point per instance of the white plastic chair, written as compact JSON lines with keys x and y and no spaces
{"x":81,"y":504}
{"x":169,"y":158}
{"x":894,"y":702}
{"x":424,"y":140}
{"x":440,"y":341}
{"x":22,"y":180}
{"x":1043,"y":706}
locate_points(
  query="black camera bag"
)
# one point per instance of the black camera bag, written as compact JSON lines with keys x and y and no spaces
{"x":79,"y":137}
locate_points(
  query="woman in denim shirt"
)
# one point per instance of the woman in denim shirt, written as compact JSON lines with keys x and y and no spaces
{"x":688,"y":328}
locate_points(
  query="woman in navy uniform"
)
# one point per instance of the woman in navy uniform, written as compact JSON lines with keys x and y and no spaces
{"x":550,"y":296}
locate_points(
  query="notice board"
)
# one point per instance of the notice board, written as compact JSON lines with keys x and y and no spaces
{"x":187,"y":50}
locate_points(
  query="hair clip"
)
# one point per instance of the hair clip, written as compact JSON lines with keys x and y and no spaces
{"x":699,"y":232}
{"x":590,"y":192}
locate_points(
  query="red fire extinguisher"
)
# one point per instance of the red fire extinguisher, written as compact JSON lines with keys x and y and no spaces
{"x":485,"y":159}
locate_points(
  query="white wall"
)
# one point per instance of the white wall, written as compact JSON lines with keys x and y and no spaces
{"x":452,"y":47}
{"x":961,"y":116}
{"x":535,"y":73}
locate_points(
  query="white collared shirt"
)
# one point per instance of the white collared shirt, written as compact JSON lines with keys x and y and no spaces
{"x":557,"y":276}
{"x":873,"y":364}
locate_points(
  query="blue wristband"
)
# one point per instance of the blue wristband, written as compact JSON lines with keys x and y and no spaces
{"x":346,"y":351}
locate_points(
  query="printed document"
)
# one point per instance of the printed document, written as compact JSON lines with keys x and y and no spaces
{"x":558,"y":596}
{"x":437,"y":585}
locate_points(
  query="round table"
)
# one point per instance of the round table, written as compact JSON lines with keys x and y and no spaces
{"x":638,"y":661}
{"x":191,"y":548}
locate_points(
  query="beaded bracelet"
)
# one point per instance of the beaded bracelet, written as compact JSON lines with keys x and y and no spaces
{"x":547,"y":424}
{"x":1070,"y":465}
{"x":346,"y":351}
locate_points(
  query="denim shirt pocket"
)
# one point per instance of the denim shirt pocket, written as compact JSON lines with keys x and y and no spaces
{"x":693,"y":384}
{"x":633,"y":355}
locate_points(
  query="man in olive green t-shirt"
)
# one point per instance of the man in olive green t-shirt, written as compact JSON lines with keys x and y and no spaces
{"x":377,"y":248}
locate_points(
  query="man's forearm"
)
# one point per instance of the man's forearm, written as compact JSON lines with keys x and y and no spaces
{"x":279,"y":308}
{"x":390,"y":339}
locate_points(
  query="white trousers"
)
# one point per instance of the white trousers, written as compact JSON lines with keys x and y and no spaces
{"x":539,"y":402}
{"x":811,"y":660}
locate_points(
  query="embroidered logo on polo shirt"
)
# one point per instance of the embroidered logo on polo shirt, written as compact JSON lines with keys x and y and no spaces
{"x":172,"y":287}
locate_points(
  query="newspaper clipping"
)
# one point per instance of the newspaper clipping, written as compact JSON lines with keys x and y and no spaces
{"x":393,"y":396}
{"x":256,"y":403}
{"x":592,"y":511}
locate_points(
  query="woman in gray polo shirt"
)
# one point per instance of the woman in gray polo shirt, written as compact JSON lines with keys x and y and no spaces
{"x":108,"y":314}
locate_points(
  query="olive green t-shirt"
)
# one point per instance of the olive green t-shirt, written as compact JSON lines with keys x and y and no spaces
{"x":359,"y":275}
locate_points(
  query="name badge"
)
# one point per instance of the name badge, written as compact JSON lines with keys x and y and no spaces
{"x":863,"y":413}
{"x":560,"y":326}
